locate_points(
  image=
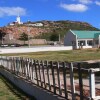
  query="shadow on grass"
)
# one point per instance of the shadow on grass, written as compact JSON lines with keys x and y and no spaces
{"x":15,"y":90}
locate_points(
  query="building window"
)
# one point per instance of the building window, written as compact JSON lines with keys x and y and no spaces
{"x":81,"y":43}
{"x":90,"y":42}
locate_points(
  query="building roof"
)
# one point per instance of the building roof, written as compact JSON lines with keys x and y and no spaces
{"x":86,"y":34}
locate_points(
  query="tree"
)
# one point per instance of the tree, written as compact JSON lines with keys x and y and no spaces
{"x":2,"y":35}
{"x":54,"y":37}
{"x":23,"y":37}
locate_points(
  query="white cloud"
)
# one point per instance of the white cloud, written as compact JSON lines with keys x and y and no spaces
{"x":97,"y":3}
{"x":85,"y":1}
{"x":74,"y":7}
{"x":11,"y":11}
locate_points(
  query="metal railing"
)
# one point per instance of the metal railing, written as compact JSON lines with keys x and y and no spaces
{"x":61,"y":78}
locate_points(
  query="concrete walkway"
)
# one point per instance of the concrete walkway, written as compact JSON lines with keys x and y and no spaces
{"x":86,"y":83}
{"x":33,"y":49}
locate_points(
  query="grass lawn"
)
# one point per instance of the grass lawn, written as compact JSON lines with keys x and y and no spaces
{"x":10,"y":92}
{"x":72,"y":55}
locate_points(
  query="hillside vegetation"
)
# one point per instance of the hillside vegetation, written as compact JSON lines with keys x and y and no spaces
{"x":61,"y":27}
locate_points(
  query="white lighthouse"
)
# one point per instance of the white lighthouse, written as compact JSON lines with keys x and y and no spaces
{"x":18,"y":19}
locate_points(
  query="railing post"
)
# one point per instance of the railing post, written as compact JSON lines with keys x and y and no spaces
{"x":64,"y":77}
{"x":80,"y":81}
{"x":92,"y":84}
{"x":36,"y":71}
{"x":58,"y":75}
{"x":53,"y":77}
{"x":39,"y":69}
{"x":48,"y":77}
{"x":33,"y":71}
{"x":72,"y":80}
{"x":17,"y":66}
{"x":30,"y":69}
{"x":43,"y":72}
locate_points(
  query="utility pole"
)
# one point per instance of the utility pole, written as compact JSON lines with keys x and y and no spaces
{"x":28,"y":30}
{"x":2,"y":39}
{"x":59,"y":38}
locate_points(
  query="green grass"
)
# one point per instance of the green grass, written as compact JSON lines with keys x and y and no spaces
{"x":72,"y":55}
{"x":10,"y":92}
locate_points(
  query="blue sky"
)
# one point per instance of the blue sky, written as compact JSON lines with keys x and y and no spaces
{"x":36,"y":10}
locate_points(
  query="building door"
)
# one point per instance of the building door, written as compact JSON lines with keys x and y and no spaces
{"x":73,"y":44}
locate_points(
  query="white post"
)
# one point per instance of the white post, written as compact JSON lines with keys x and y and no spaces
{"x":92,"y":85}
{"x":76,"y":43}
{"x":86,"y":43}
{"x":99,"y":40}
{"x":77,"y":47}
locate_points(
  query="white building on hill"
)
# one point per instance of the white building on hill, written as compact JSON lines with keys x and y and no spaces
{"x":18,"y":21}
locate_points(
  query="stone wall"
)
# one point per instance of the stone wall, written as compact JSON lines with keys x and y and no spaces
{"x":32,"y":41}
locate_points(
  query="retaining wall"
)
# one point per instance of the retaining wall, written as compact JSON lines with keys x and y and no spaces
{"x":31,"y":89}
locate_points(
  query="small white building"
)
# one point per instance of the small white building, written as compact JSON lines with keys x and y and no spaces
{"x":82,"y":39}
{"x":35,"y":24}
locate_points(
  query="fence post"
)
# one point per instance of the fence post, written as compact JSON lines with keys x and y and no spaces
{"x":43,"y":72}
{"x":92,"y":84}
{"x":33,"y":71}
{"x":64,"y":77}
{"x":36,"y":71}
{"x":58,"y":75}
{"x":39,"y":69}
{"x":80,"y":81}
{"x":53,"y":77}
{"x":72,"y":81}
{"x":48,"y":77}
{"x":17,"y":65}
{"x":30,"y":69}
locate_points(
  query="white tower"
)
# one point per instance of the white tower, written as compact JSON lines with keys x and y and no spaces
{"x":18,"y":19}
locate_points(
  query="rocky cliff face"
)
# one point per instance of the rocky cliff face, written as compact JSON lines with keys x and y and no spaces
{"x":17,"y":30}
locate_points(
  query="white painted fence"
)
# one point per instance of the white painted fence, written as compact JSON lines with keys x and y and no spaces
{"x":57,"y":77}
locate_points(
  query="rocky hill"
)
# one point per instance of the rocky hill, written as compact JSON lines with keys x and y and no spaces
{"x":16,"y":30}
{"x":47,"y":29}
